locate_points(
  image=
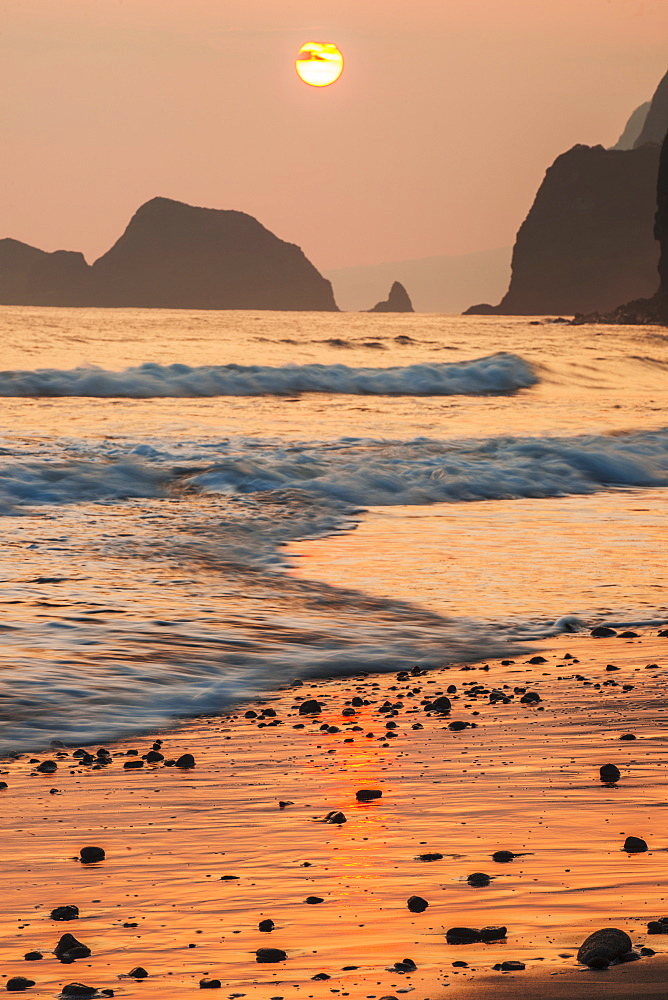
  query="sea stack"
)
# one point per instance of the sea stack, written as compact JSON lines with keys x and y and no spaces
{"x":398,"y":301}
{"x":587,"y":241}
{"x":172,"y":256}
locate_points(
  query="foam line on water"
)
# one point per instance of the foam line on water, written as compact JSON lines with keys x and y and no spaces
{"x":497,"y":373}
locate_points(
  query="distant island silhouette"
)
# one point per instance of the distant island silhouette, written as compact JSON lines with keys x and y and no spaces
{"x":398,"y":301}
{"x":587,"y":242}
{"x":171,"y":256}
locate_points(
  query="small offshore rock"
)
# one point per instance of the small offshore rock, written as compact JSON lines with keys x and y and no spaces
{"x":416,"y":904}
{"x":270,"y":955}
{"x":609,"y":772}
{"x":635,"y":845}
{"x":603,"y":947}
{"x":17,"y":984}
{"x":33,"y":956}
{"x":89,"y":855}
{"x":479,"y":879}
{"x":368,"y":794}
{"x":138,"y":973}
{"x":266,"y":925}
{"x":69,"y":949}
{"x":186,"y":760}
{"x":310,"y":707}
{"x":65,"y":913}
{"x":210,"y":984}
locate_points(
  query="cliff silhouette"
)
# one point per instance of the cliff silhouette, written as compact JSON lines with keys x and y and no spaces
{"x":171,"y":256}
{"x":587,"y":241}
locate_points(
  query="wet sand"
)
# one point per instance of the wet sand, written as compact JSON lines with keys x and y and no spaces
{"x":196,"y":858}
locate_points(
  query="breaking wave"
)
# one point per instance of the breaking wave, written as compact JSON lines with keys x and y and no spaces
{"x":497,"y":373}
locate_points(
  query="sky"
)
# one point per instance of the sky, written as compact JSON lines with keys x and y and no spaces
{"x":433,"y":141}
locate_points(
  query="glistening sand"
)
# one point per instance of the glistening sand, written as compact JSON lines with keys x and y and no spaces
{"x":526,"y":780}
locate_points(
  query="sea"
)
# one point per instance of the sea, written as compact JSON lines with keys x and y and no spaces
{"x":198,"y":507}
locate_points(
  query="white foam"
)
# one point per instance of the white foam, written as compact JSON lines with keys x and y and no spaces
{"x":497,"y":373}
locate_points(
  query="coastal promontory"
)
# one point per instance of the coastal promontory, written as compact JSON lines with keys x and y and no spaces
{"x":171,"y":256}
{"x":398,"y":301}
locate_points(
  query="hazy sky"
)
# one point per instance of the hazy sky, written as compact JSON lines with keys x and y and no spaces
{"x":433,"y":141}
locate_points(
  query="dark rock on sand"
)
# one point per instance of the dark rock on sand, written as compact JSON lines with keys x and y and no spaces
{"x":133,"y":765}
{"x":602,"y":631}
{"x":17,"y":984}
{"x":320,"y":977}
{"x":479,"y":879}
{"x":153,"y":756}
{"x":266,"y":925}
{"x":397,"y":301}
{"x":470,"y":935}
{"x":416,"y":904}
{"x":530,"y":698}
{"x":405,"y":965}
{"x":3,"y":785}
{"x":603,"y":947}
{"x":80,"y":990}
{"x":33,"y":956}
{"x":635,"y":845}
{"x":429,"y":857}
{"x":89,"y":855}
{"x":47,"y":767}
{"x":609,"y":772}
{"x":313,"y":900}
{"x":441,"y":704}
{"x":368,"y":794}
{"x":335,"y":817}
{"x":659,"y":926}
{"x":69,"y":949}
{"x":270,"y":955}
{"x":186,"y":760}
{"x":138,"y":973}
{"x":210,"y":984}
{"x":65,"y":913}
{"x":311,"y":707}
{"x":503,"y":856}
{"x":510,"y":966}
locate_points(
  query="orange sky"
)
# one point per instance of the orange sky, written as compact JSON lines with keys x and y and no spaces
{"x":433,"y":141}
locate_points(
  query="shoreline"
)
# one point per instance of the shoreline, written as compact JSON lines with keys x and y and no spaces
{"x":196,"y":858}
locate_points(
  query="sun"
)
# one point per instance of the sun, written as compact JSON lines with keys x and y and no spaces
{"x":319,"y":64}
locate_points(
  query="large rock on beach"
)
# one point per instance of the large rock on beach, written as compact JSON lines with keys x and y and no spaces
{"x":171,"y":256}
{"x":603,"y":947}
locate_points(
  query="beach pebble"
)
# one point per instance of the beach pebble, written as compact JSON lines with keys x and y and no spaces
{"x":80,"y":990}
{"x":47,"y":767}
{"x":69,"y":949}
{"x":429,"y":857}
{"x":89,"y":855}
{"x":503,"y":856}
{"x":368,"y":794}
{"x":335,"y":817}
{"x":537,"y":659}
{"x":313,"y":900}
{"x":266,"y":925}
{"x":17,"y":984}
{"x":416,"y":904}
{"x":138,"y":973}
{"x":311,"y":707}
{"x":153,"y":756}
{"x":479,"y":879}
{"x":270,"y":955}
{"x":186,"y":760}
{"x":320,"y":977}
{"x":3,"y":785}
{"x":285,"y":802}
{"x":659,"y":926}
{"x":33,"y":956}
{"x":609,"y":772}
{"x":601,"y":631}
{"x":603,"y":947}
{"x":65,"y":913}
{"x":406,"y":965}
{"x":462,"y":935}
{"x":510,"y":966}
{"x":210,"y":984}
{"x":442,"y":704}
{"x":635,"y":845}
{"x":530,"y":698}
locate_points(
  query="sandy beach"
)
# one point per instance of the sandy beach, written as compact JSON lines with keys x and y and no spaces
{"x":197,"y":857}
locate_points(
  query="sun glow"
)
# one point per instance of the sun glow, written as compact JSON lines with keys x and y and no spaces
{"x":319,"y":64}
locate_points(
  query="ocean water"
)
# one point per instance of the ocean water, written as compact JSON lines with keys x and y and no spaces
{"x":198,"y":507}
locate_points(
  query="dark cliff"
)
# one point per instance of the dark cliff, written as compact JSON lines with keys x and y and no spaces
{"x":587,"y":240}
{"x":398,"y":301}
{"x":656,"y":121}
{"x":172,"y":256}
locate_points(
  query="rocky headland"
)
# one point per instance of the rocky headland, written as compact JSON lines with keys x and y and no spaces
{"x":587,"y":242}
{"x":171,"y":256}
{"x":398,"y":301}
